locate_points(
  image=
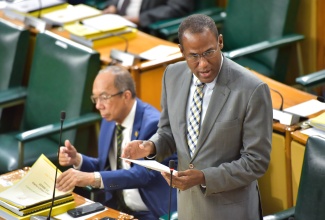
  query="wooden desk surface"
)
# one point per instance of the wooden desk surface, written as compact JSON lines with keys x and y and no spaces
{"x":139,"y":44}
{"x":291,"y":97}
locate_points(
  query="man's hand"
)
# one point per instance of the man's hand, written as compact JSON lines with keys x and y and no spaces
{"x":138,"y":149}
{"x":110,"y":10}
{"x":68,"y":155}
{"x":184,"y":180}
{"x":71,"y":178}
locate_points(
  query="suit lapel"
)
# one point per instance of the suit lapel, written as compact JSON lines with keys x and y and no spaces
{"x":137,"y":120}
{"x":218,"y":99}
{"x":107,"y":143}
{"x":184,"y":92}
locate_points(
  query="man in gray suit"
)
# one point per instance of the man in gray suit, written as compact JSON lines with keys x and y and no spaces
{"x":217,"y":178}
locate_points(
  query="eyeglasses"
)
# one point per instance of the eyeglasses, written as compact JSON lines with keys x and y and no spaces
{"x":196,"y":57}
{"x":103,"y":98}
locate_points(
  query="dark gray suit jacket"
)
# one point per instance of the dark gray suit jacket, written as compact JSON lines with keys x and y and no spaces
{"x":156,"y":10}
{"x":234,"y":145}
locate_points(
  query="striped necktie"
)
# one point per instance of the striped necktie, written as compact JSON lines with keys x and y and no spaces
{"x":119,"y":139}
{"x":194,"y":120}
{"x":124,"y":6}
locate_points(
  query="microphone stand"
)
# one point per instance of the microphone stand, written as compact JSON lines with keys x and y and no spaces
{"x":171,"y":167}
{"x":36,"y":217}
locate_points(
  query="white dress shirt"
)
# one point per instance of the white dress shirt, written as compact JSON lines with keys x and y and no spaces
{"x":132,"y":197}
{"x":133,"y":9}
{"x":207,"y":91}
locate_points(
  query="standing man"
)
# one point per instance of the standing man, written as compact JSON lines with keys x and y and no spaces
{"x":132,"y":189}
{"x":217,"y":116}
{"x":145,"y":12}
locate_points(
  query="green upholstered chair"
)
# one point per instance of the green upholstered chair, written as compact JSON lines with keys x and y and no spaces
{"x":14,"y":45}
{"x":261,"y":34}
{"x":61,"y":78}
{"x":311,"y":192}
{"x":258,"y":34}
{"x":311,"y":81}
{"x":167,"y":29}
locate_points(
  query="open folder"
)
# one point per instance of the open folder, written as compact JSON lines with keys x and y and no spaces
{"x":151,"y":164}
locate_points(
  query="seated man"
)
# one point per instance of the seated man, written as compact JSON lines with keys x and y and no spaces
{"x":145,"y":12}
{"x":132,"y":189}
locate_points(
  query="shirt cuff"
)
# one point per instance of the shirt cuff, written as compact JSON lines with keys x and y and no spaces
{"x":80,"y":164}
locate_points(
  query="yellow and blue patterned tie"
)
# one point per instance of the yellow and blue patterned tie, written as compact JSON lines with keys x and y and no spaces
{"x":194,"y":121}
{"x":119,"y":138}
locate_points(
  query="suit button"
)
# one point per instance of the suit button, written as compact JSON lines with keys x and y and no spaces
{"x":191,"y":166}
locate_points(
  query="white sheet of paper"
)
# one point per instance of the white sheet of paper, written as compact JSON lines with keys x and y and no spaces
{"x":159,"y":51}
{"x":306,"y":108}
{"x":108,"y":22}
{"x":151,"y":164}
{"x":313,"y":132}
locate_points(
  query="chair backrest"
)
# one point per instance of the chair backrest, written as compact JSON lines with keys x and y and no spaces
{"x":14,"y":42}
{"x":14,"y":46}
{"x":61,"y":78}
{"x":311,"y":193}
{"x":253,"y":21}
{"x":199,"y":4}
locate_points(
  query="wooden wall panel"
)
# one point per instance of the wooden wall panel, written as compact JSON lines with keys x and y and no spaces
{"x":320,"y":34}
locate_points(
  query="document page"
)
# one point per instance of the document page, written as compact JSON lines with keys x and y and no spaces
{"x":158,"y":52}
{"x":35,"y":187}
{"x":306,"y":108}
{"x":151,"y":164}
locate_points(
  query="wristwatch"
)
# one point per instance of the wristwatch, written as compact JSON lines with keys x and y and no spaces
{"x":97,"y":178}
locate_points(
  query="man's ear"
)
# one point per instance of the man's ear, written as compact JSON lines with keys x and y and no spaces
{"x":181,"y":49}
{"x":220,"y":41}
{"x":127,"y":94}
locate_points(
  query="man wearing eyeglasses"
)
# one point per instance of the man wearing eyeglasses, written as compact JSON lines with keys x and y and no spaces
{"x":217,"y":116}
{"x":133,"y":189}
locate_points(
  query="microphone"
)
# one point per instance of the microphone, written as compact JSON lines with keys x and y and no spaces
{"x":124,"y":57}
{"x":171,"y":167}
{"x":281,"y":105}
{"x":36,"y":217}
{"x":283,"y":117}
{"x":40,"y":9}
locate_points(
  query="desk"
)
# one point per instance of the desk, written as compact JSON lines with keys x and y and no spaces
{"x":276,"y":184}
{"x":298,"y":143}
{"x":146,"y":84}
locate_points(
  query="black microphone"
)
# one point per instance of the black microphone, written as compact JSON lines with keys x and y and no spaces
{"x":124,"y":57}
{"x":171,"y":167}
{"x":281,"y":105}
{"x":36,"y":217}
{"x":40,"y":9}
{"x":321,"y":98}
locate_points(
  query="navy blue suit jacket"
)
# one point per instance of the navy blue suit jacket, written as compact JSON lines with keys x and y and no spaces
{"x":153,"y":188}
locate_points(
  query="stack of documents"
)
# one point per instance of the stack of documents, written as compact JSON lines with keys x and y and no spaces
{"x":70,"y":14}
{"x":28,"y":6}
{"x":32,"y":195}
{"x":101,"y":30}
{"x":318,"y":122}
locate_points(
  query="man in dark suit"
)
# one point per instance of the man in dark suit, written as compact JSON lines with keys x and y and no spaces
{"x":146,"y":12}
{"x":133,"y":189}
{"x":217,"y":116}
